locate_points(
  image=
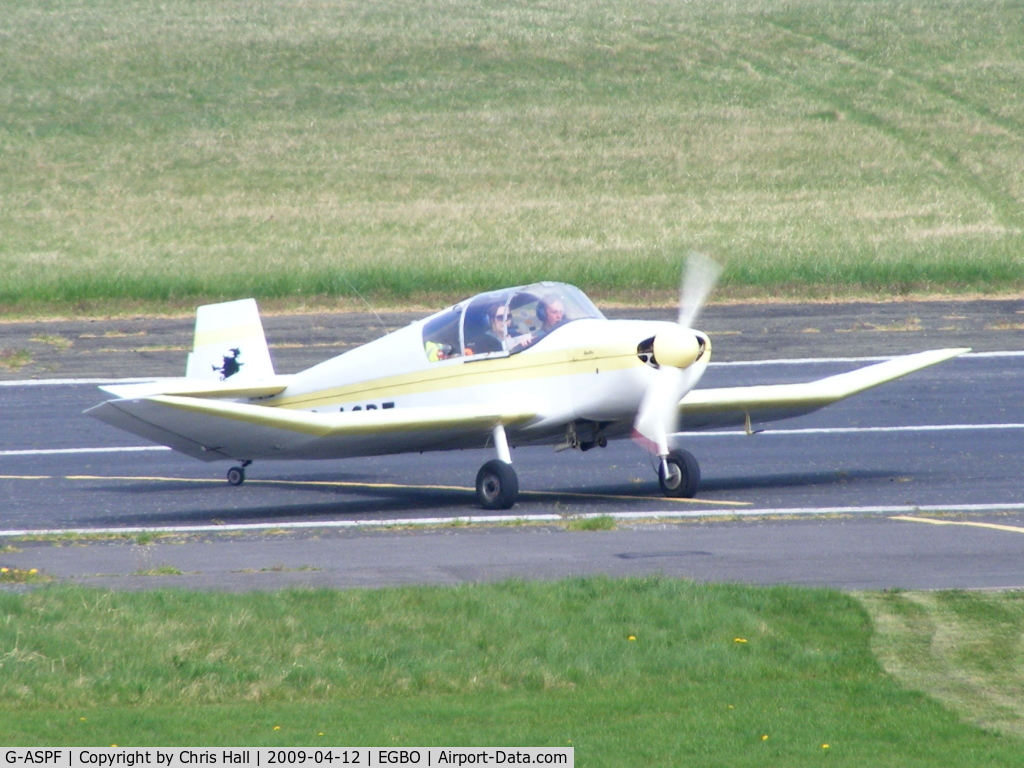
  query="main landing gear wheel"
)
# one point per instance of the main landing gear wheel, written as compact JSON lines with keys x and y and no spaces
{"x":683,"y":476}
{"x":236,"y":476}
{"x":497,"y":486}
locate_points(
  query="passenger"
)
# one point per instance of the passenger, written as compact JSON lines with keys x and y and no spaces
{"x":495,"y":339}
{"x":437,"y":351}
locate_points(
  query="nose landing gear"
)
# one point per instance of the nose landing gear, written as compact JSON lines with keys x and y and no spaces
{"x":679,"y":475}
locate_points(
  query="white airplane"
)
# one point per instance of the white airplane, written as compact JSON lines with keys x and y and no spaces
{"x":528,"y":365}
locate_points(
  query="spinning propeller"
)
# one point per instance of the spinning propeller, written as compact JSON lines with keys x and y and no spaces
{"x":675,"y":352}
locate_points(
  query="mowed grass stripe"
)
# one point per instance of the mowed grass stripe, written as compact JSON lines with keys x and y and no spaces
{"x":181,"y":151}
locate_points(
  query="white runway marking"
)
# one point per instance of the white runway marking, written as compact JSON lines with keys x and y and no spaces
{"x":856,"y":430}
{"x":62,"y":451}
{"x":524,"y":519}
{"x":783,"y":361}
{"x":873,"y":359}
{"x":73,"y":382}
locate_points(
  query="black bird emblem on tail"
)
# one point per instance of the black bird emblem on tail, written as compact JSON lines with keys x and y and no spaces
{"x":230,"y":366}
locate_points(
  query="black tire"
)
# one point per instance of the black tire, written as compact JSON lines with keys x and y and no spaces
{"x":236,"y":476}
{"x":684,"y":475}
{"x":497,"y":486}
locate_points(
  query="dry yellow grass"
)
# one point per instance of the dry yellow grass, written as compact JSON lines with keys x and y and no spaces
{"x":294,"y":150}
{"x":964,"y":649}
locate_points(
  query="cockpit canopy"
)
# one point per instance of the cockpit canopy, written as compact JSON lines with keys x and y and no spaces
{"x":504,"y":322}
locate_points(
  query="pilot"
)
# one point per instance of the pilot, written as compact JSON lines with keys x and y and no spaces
{"x":551,"y":312}
{"x":495,"y":339}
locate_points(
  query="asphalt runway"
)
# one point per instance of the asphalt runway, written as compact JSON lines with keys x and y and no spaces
{"x":915,"y":485}
{"x":126,"y":347}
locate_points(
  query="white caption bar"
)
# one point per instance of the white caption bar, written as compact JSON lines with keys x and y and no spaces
{"x":267,"y":757}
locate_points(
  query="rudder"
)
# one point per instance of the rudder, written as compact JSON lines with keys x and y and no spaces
{"x":229,"y":343}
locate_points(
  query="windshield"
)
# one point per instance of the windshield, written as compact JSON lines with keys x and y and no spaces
{"x":505,"y":322}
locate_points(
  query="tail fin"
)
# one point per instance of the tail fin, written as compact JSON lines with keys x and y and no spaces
{"x":229,"y":343}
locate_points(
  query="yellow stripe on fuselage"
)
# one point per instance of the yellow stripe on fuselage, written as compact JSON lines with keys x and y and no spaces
{"x":472,"y":373}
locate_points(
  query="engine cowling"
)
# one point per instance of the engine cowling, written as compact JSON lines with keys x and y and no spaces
{"x":676,"y":347}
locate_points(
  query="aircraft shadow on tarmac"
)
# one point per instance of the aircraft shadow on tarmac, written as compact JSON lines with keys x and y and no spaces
{"x":244,"y":506}
{"x":800,"y":479}
{"x":267,"y":500}
{"x":351,"y":501}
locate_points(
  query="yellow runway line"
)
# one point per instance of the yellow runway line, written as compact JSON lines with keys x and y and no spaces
{"x":397,"y":486}
{"x":930,"y":521}
{"x":578,"y":495}
{"x":143,"y":477}
{"x":659,"y":499}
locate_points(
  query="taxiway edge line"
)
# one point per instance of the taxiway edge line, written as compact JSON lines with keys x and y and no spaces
{"x":664,"y":515}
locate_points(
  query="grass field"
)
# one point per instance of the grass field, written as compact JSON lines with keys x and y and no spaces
{"x":173,"y":151}
{"x":651,"y":671}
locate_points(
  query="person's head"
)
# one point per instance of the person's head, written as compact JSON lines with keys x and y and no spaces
{"x":499,"y":318}
{"x":551,"y":312}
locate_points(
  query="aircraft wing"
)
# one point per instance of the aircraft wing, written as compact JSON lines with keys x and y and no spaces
{"x":214,"y":429}
{"x":734,"y":406}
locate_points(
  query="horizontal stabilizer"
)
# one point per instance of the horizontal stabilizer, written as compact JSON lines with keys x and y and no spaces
{"x":274,"y":385}
{"x":733,"y":406}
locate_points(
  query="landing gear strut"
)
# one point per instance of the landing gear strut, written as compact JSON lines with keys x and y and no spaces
{"x":679,"y":475}
{"x":497,"y":486}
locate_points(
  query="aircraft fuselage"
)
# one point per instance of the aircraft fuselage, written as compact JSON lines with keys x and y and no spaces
{"x":585,"y":371}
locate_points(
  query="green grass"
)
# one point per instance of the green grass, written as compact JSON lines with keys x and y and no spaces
{"x":168,"y":152}
{"x":14,"y":359}
{"x":597,"y":523}
{"x":709,"y":672}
